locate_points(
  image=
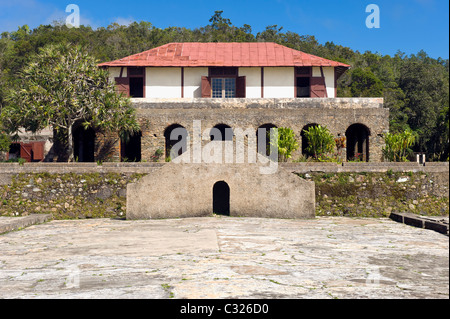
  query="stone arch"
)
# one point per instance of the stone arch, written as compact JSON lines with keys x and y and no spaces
{"x":222,"y":129}
{"x":130,"y":148}
{"x":221,"y":198}
{"x":267,"y":127}
{"x":175,"y":137}
{"x":305,"y":143}
{"x":83,"y":143}
{"x":358,"y":142}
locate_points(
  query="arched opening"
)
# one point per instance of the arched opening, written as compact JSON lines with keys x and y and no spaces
{"x":130,"y":148}
{"x":305,"y":142}
{"x":221,"y":132}
{"x":176,"y":140}
{"x":83,"y":143}
{"x":263,"y":136}
{"x":358,"y":142}
{"x":221,"y":199}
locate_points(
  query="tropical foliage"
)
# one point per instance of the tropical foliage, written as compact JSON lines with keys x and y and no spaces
{"x":320,"y":141}
{"x":398,"y":146}
{"x":285,"y":141}
{"x":60,"y":86}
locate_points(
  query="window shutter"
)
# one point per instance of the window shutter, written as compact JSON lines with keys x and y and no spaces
{"x":206,"y":87}
{"x":38,"y":151}
{"x":318,"y":88}
{"x":240,"y":86}
{"x":25,"y":152}
{"x":123,"y":86}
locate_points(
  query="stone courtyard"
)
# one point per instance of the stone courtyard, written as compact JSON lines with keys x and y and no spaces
{"x":224,"y":257}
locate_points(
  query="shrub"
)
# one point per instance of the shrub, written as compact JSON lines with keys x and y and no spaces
{"x":320,"y":141}
{"x":398,"y":145}
{"x":285,"y":141}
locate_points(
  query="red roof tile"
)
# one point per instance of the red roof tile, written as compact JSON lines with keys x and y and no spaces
{"x":256,"y":54}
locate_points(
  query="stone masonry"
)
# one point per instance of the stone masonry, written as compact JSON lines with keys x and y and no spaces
{"x":337,"y":114}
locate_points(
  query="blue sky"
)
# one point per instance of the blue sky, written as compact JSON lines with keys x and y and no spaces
{"x":406,"y":25}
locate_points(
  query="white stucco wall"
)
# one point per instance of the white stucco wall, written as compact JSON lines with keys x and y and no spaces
{"x":165,"y":82}
{"x":193,"y":81}
{"x":252,"y":81}
{"x":114,"y":72}
{"x":279,"y":82}
{"x":162,"y":82}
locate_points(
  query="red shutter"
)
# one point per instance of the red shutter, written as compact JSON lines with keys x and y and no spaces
{"x":240,"y":86}
{"x":206,"y":87}
{"x":318,"y":88}
{"x":123,"y":86}
{"x":38,"y":151}
{"x":25,"y":152}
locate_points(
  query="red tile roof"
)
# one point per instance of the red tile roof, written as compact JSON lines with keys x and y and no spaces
{"x":250,"y":54}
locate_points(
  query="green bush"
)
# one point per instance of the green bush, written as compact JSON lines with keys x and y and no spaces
{"x":398,"y":145}
{"x":5,"y":142}
{"x":320,"y":141}
{"x":284,"y":139}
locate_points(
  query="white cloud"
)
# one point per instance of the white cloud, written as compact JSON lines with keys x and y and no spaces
{"x":124,"y":21}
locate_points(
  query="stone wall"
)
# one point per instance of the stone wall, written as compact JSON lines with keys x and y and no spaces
{"x":156,"y":115}
{"x":88,"y":190}
{"x":186,"y":190}
{"x":378,"y":194}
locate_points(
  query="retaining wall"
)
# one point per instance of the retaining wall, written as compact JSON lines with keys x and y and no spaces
{"x":85,"y":190}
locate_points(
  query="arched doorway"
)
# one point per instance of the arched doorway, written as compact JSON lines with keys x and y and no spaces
{"x":83,"y":143}
{"x":221,"y":132}
{"x":221,"y":199}
{"x":264,"y":129}
{"x":305,"y":142}
{"x":358,"y":142}
{"x":175,"y":136}
{"x":130,"y":148}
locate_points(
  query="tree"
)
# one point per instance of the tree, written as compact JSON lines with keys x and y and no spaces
{"x":365,"y":84}
{"x":60,"y":86}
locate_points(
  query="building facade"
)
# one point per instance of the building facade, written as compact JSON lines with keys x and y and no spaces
{"x":178,"y":87}
{"x":241,"y":86}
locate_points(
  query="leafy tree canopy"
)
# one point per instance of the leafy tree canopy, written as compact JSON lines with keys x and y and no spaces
{"x":60,"y":86}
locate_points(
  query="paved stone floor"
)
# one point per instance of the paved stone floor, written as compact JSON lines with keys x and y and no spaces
{"x":222,"y":257}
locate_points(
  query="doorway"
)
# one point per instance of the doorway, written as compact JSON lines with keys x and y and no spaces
{"x":221,"y":199}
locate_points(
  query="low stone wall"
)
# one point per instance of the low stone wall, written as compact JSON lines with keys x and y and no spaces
{"x":352,"y":189}
{"x":378,"y":194}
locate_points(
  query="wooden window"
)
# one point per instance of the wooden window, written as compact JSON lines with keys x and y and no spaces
{"x":136,"y":77}
{"x":134,"y":84}
{"x":223,"y":82}
{"x":302,"y":81}
{"x":308,"y":86}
